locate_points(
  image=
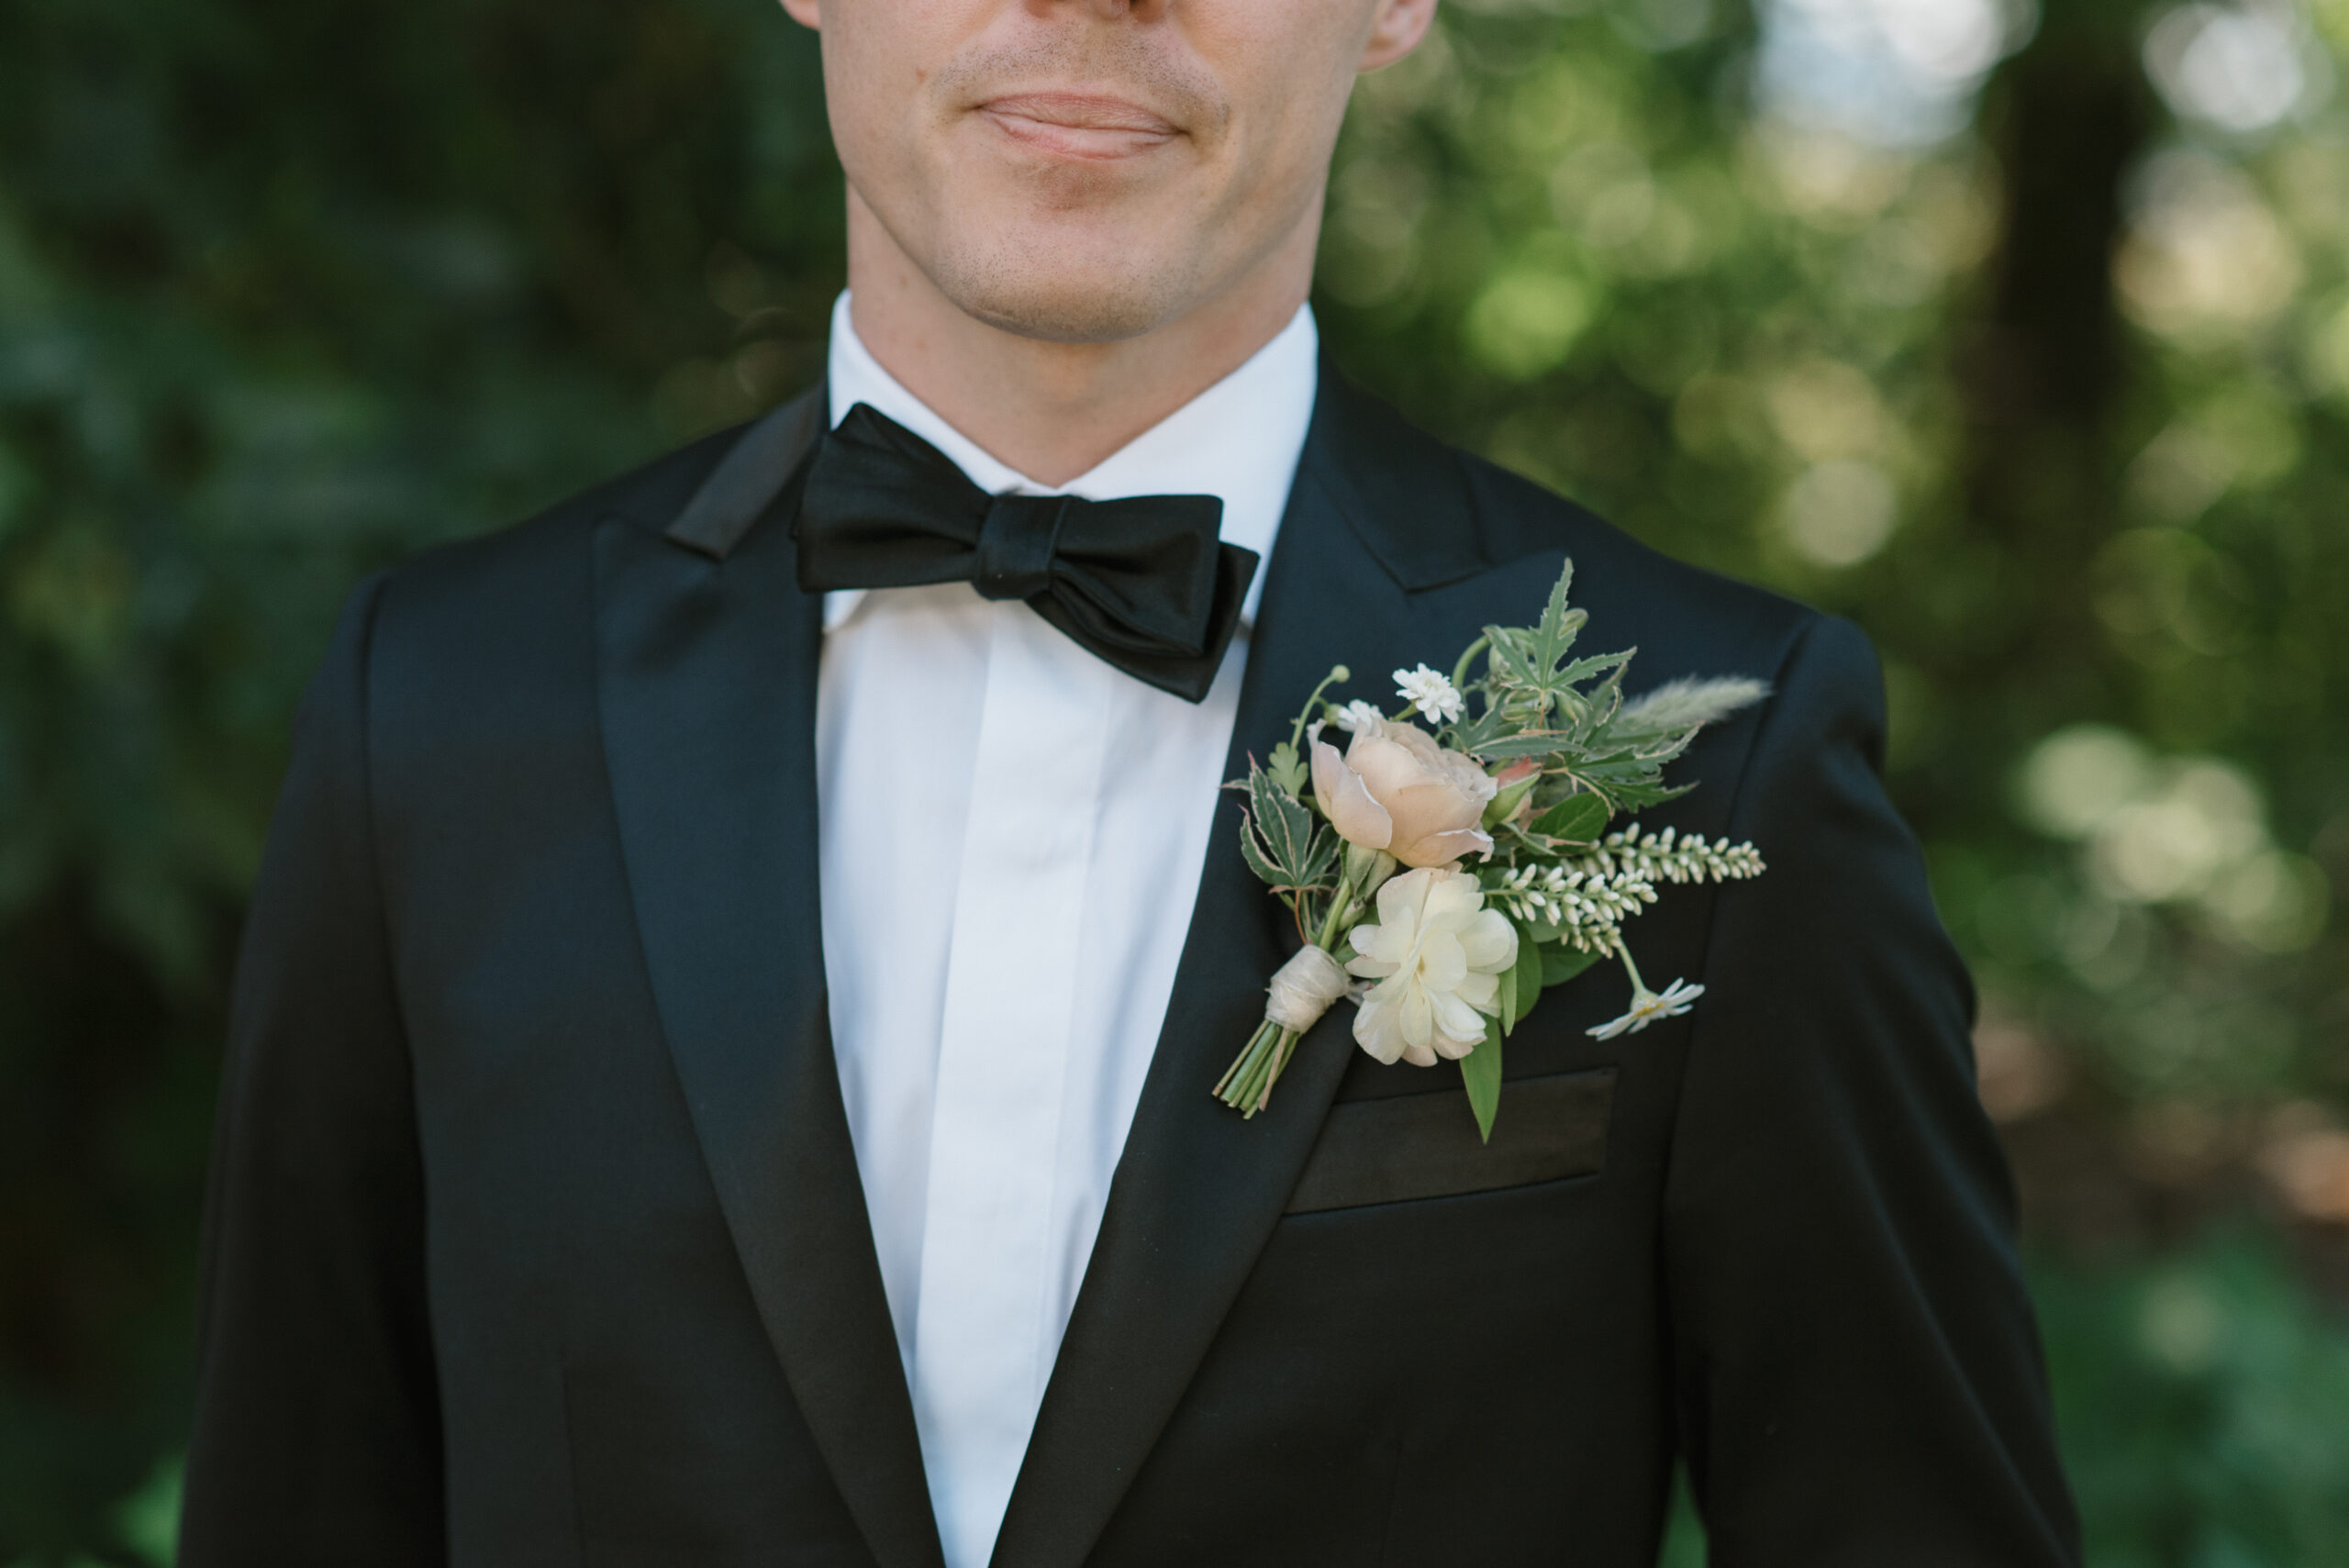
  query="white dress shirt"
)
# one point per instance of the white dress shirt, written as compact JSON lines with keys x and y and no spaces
{"x":1012,"y":834}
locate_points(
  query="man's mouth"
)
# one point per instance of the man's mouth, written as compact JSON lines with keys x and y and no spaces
{"x":1079,"y":125}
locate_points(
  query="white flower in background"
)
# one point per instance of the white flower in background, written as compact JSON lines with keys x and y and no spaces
{"x":1396,"y":790}
{"x":1431,"y":691}
{"x":1437,"y":954}
{"x":1358,"y":717}
{"x":1647,"y":1006}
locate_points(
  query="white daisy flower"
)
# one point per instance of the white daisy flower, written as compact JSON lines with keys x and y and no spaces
{"x":1358,"y":716}
{"x":1647,"y":1006}
{"x":1431,"y":691}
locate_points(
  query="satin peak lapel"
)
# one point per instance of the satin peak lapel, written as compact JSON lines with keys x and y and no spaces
{"x":1198,"y":1190}
{"x":706,"y":656}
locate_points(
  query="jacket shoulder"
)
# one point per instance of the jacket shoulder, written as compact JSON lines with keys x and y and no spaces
{"x":1623,"y":581}
{"x":1497,"y":527}
{"x":484,"y":650}
{"x":503,"y":574}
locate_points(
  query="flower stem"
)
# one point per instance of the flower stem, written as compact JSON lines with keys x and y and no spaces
{"x":1341,"y":908}
{"x":1638,"y":987}
{"x":1338,"y":674}
{"x":1247,"y":1085}
{"x":1459,"y":671}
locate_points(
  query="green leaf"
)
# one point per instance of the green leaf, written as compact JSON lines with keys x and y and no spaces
{"x":1507,"y":998}
{"x":1528,"y":976}
{"x":1525,"y":743}
{"x":1481,"y":1071}
{"x":1560,"y":964}
{"x":1509,"y":660}
{"x":1474,"y":735}
{"x":1287,"y":770}
{"x":1578,"y":818}
{"x":1639,"y":796}
{"x":1559,"y":625}
{"x":1300,"y":852}
{"x":1281,"y":842}
{"x":1266,"y":872}
{"x":1320,"y":858}
{"x":1584,"y":669}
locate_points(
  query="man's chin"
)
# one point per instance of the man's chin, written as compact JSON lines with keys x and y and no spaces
{"x":1057,"y":300}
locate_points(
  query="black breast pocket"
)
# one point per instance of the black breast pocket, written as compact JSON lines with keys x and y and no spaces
{"x":1421,"y":1146}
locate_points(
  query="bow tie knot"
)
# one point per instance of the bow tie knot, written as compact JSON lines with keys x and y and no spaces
{"x":1140,"y":582}
{"x":1017,"y":538}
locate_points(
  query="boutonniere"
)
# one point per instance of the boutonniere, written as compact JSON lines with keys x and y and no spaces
{"x":1514,"y":774}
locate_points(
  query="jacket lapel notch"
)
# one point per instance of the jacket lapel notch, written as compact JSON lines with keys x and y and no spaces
{"x":705,"y":670}
{"x":753,"y":472}
{"x":1387,"y":478}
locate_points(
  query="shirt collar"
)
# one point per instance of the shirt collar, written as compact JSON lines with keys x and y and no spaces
{"x":1239,"y":441}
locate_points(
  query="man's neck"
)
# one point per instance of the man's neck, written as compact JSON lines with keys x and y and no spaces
{"x":1053,"y":410}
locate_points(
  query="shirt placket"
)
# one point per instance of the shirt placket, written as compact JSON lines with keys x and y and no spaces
{"x":1003,"y":1069}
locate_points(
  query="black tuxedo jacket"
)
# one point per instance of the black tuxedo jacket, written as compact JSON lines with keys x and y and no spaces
{"x":535,"y":1234}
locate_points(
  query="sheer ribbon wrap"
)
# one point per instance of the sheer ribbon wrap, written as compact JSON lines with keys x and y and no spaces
{"x":1303,"y":989}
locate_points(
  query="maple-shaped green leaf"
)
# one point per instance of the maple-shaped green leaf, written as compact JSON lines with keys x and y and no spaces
{"x":1554,"y":636}
{"x":1287,"y":771}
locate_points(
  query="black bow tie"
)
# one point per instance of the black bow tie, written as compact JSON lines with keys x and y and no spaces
{"x":1142,"y":581}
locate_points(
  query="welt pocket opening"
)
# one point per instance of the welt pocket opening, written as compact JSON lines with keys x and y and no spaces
{"x":1423,"y":1146}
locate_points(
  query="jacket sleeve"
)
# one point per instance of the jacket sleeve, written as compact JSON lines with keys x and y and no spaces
{"x":318,"y":1434}
{"x":1858,"y":1373}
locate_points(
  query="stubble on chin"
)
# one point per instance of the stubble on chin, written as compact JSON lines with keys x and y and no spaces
{"x":1070,"y":254}
{"x":1034,"y":292}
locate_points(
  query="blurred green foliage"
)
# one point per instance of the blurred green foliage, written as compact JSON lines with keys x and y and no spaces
{"x":2047,"y":385}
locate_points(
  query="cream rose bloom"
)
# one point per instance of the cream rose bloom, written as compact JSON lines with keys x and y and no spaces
{"x":1438,"y":955}
{"x":1396,"y":790}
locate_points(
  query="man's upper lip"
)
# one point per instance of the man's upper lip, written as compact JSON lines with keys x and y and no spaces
{"x":1081,"y":111}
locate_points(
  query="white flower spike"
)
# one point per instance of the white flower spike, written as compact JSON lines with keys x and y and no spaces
{"x":1431,"y":691}
{"x":1647,"y":1006}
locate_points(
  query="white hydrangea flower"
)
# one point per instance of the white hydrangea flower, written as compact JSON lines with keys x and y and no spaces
{"x":1647,"y":1006}
{"x":1359,"y":717}
{"x":1437,"y":954}
{"x":1431,"y":691}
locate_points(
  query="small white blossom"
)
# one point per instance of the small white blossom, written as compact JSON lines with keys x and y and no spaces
{"x":1431,"y":691}
{"x":1647,"y":1006}
{"x":1358,"y":716}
